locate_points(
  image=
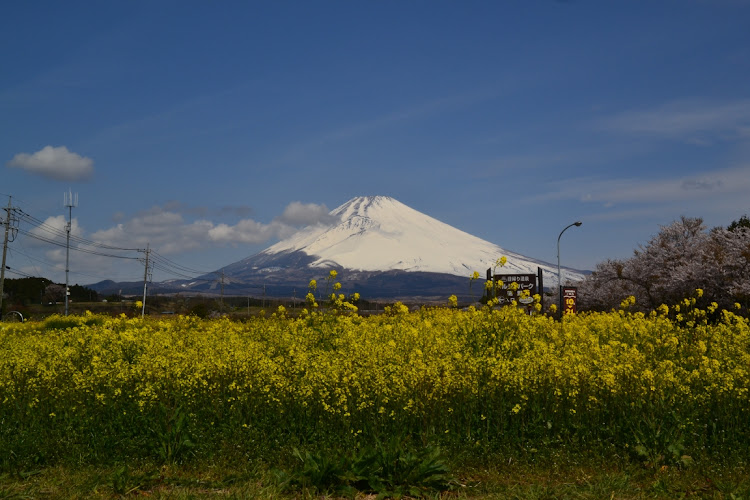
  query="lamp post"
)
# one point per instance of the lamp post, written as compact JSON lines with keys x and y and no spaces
{"x":559,"y":272}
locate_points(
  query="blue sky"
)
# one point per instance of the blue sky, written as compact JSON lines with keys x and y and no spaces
{"x":209,"y":130}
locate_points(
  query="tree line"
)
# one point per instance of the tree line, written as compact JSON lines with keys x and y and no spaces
{"x":27,"y":291}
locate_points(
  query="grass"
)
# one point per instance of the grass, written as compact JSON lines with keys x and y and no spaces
{"x":554,"y":477}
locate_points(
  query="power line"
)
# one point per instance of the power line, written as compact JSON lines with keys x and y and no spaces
{"x":78,"y":249}
{"x":180,"y":267}
{"x":53,"y":235}
{"x":20,"y":273}
{"x":53,"y":265}
{"x":35,"y":221}
{"x":62,"y":233}
{"x":172,"y":272}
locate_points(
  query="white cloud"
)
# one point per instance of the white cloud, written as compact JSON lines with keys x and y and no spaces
{"x":55,"y":163}
{"x":166,"y":231}
{"x":162,"y":229}
{"x":306,"y":214}
{"x":709,"y":186}
{"x":169,"y":232}
{"x":693,"y":121}
{"x":245,"y":231}
{"x":391,"y":119}
{"x":53,"y":228}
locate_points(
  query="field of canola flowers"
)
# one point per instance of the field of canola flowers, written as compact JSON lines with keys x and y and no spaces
{"x":93,"y":389}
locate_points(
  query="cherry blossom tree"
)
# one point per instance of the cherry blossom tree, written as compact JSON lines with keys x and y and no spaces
{"x":682,"y":257}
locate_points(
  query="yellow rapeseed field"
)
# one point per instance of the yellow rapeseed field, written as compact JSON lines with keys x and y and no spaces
{"x":659,"y":385}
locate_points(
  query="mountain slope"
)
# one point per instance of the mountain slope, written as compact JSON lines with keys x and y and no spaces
{"x":381,"y":248}
{"x":378,"y":234}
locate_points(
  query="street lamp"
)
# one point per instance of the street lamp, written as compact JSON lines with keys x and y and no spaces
{"x":559,"y":272}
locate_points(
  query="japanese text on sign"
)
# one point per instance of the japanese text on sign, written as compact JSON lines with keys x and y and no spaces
{"x":510,"y":292}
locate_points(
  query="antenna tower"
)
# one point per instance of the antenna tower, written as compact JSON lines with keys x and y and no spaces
{"x":70,"y":200}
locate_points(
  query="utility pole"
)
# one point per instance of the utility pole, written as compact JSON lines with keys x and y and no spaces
{"x":70,"y":201}
{"x":5,"y":249}
{"x":145,"y":282}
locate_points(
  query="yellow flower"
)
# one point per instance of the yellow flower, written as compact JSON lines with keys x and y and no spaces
{"x":629,"y":301}
{"x":453,"y":301}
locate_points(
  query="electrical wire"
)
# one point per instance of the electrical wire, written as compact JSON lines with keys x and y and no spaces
{"x":170,"y":263}
{"x":52,"y":265}
{"x":12,"y":251}
{"x":171,"y":272}
{"x":19,"y":273}
{"x":79,"y":249}
{"x":63,"y":234}
{"x":46,"y":233}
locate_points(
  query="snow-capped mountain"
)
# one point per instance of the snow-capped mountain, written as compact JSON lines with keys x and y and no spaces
{"x":380,"y":247}
{"x":374,"y":235}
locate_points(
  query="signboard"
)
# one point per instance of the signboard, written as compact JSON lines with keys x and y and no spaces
{"x":506,"y":294}
{"x":569,"y":296}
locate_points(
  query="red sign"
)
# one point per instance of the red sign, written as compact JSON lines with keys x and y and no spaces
{"x":570,"y":294}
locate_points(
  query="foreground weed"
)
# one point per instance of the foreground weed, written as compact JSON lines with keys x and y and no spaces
{"x":393,"y":469}
{"x":173,"y":440}
{"x":389,"y":469}
{"x":660,"y":443}
{"x":319,"y":472}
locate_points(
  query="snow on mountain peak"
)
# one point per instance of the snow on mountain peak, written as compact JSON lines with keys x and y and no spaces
{"x":379,"y":233}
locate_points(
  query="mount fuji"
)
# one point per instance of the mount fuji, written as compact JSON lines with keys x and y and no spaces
{"x":382,"y":249}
